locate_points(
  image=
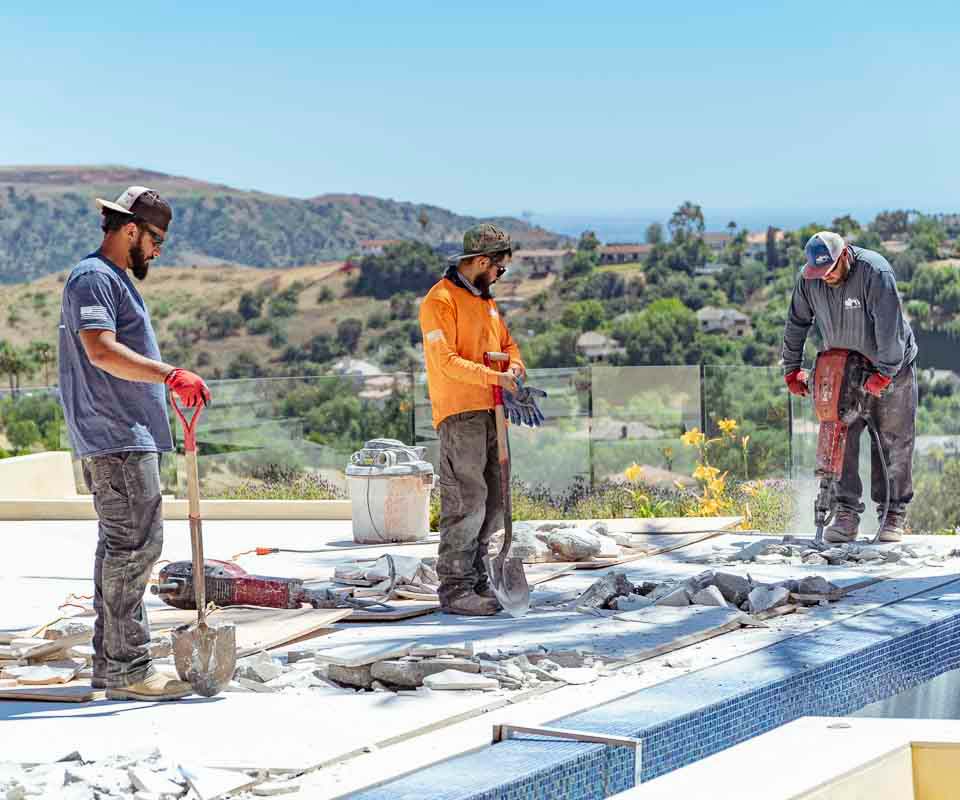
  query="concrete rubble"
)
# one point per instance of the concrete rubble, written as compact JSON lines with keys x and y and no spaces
{"x":567,"y":541}
{"x":709,"y":588}
{"x":790,"y":551}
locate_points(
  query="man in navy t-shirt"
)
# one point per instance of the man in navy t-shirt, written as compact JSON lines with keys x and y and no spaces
{"x":111,"y":388}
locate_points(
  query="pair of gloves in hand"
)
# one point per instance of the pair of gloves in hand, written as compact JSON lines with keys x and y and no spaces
{"x":521,"y":407}
{"x":797,"y":383}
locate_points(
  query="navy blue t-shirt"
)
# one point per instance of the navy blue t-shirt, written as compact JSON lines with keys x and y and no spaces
{"x":106,"y":414}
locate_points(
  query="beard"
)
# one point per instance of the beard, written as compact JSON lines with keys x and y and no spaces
{"x":138,"y":263}
{"x":483,"y":283}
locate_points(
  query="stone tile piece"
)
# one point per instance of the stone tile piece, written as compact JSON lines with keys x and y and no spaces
{"x":574,"y":675}
{"x":360,"y":655}
{"x":465,"y":650}
{"x":453,"y":680}
{"x":274,"y":788}
{"x":764,"y":598}
{"x":145,"y":780}
{"x":677,"y":598}
{"x":711,"y":596}
{"x":210,"y":784}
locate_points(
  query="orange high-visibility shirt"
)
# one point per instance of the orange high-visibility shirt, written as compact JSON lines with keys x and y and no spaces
{"x":458,"y":328}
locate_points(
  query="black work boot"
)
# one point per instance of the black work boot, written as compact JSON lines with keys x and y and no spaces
{"x":894,"y":526}
{"x":471,"y":604}
{"x":846,"y":525}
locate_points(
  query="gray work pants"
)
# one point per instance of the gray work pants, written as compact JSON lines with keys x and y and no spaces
{"x":894,"y":413}
{"x":127,"y":497}
{"x":471,"y":504}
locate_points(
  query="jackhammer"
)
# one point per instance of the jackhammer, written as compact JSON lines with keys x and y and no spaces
{"x":839,"y":400}
{"x":228,"y":584}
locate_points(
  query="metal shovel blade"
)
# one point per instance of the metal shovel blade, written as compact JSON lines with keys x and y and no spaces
{"x":205,"y":656}
{"x":509,"y":583}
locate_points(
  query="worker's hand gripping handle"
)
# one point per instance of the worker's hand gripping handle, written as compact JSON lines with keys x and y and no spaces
{"x":498,"y":359}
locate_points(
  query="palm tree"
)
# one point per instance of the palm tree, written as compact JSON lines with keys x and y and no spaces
{"x":14,"y":363}
{"x":43,"y":354}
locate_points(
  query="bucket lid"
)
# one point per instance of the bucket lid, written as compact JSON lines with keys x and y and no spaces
{"x":388,"y":457}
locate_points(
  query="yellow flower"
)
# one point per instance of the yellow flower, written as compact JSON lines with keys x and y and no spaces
{"x":704,"y":472}
{"x":709,"y":508}
{"x":749,"y":489}
{"x":717,"y":486}
{"x":633,"y":473}
{"x":693,"y":437}
{"x":727,"y":426}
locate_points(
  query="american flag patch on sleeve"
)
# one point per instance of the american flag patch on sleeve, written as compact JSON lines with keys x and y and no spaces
{"x":93,"y":312}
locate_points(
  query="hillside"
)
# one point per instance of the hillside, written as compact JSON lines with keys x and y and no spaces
{"x":48,"y":220}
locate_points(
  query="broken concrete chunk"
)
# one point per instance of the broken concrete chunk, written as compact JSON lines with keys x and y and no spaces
{"x":108,"y":780}
{"x":211,"y":783}
{"x":42,"y":675}
{"x":608,"y":547}
{"x":631,"y":602}
{"x":528,"y":546}
{"x":733,"y":587}
{"x":602,"y":592}
{"x":678,"y":597}
{"x":816,"y":585}
{"x":866,"y":555}
{"x":711,"y":596}
{"x":815,"y":560}
{"x":754,"y":549}
{"x":764,"y":598}
{"x":411,"y":674}
{"x":453,"y":680}
{"x":259,"y":667}
{"x":573,"y":544}
{"x":145,"y":780}
{"x":359,"y":677}
{"x":67,"y":627}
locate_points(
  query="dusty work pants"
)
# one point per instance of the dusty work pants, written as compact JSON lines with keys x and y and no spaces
{"x":471,"y":504}
{"x":127,"y":497}
{"x":894,"y":413}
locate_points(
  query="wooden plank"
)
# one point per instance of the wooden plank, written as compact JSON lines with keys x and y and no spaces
{"x":76,"y":692}
{"x":258,"y":628}
{"x":678,"y":643}
{"x":403,"y":609}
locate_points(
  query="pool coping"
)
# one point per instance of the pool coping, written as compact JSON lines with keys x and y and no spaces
{"x":830,"y":671}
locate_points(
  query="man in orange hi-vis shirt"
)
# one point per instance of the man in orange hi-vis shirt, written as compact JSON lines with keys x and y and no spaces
{"x":460,"y":323}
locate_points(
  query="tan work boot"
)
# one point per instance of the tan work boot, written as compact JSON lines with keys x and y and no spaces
{"x":894,"y":526}
{"x":846,"y":525}
{"x":155,"y":688}
{"x":486,"y":590}
{"x":471,"y":604}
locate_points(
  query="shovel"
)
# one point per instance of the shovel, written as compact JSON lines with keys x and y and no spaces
{"x":507,"y":578}
{"x":205,"y":656}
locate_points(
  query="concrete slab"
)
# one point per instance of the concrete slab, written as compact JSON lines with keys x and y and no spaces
{"x":237,"y":731}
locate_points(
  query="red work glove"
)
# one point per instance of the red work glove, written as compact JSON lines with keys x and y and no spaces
{"x":797,"y":383}
{"x":189,"y":387}
{"x":876,"y":383}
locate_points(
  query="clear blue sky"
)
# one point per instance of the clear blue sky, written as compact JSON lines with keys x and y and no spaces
{"x":496,"y":107}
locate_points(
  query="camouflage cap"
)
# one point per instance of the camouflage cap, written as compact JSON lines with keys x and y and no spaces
{"x":485,"y":240}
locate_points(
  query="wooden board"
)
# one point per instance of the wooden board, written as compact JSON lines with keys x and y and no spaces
{"x":75,"y":692}
{"x":404,"y":609}
{"x":258,"y":628}
{"x":57,"y":646}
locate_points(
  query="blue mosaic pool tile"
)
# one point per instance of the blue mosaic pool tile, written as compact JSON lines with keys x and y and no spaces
{"x":832,"y":671}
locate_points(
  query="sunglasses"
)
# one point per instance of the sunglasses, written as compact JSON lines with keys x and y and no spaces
{"x":158,"y":239}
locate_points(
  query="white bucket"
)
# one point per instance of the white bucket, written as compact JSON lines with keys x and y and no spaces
{"x":389,"y":493}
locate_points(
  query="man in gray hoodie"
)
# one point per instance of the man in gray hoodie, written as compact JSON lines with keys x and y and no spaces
{"x":851,"y":295}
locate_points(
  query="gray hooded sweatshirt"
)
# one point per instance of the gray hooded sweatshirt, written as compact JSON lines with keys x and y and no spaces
{"x":864,"y":314}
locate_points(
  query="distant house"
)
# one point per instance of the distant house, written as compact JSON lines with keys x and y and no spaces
{"x":723,"y":320}
{"x":375,"y":247}
{"x":624,"y":253}
{"x":717,"y":241}
{"x":895,"y":245}
{"x":757,"y":244}
{"x":540,"y":263}
{"x":596,"y":347}
{"x":711,"y":268}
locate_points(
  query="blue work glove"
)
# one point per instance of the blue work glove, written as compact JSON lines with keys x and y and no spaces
{"x":521,"y":408}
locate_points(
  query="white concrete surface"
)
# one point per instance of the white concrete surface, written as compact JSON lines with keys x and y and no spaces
{"x":44,"y":560}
